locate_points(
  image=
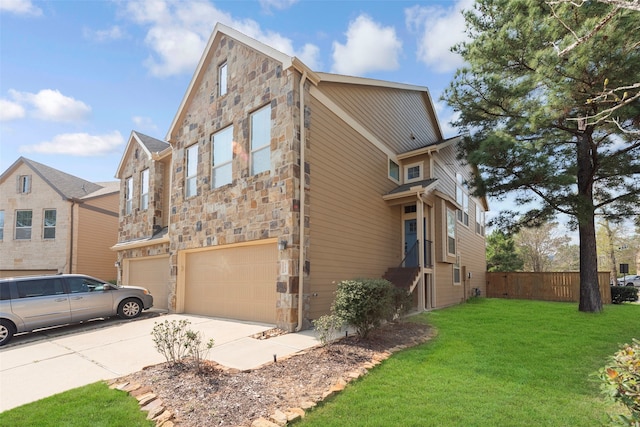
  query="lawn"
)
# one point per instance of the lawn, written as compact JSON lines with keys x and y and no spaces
{"x":93,"y":405}
{"x":494,"y":363}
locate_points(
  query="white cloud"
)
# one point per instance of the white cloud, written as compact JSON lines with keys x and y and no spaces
{"x":52,"y":105}
{"x":10,"y":110}
{"x":369,"y":47}
{"x":438,"y":30}
{"x":20,"y":7}
{"x":179,"y":32}
{"x":144,"y":123}
{"x":267,"y":5}
{"x":78,"y":144}
{"x":113,"y":33}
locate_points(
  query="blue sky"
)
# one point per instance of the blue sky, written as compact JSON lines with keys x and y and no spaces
{"x":76,"y":77}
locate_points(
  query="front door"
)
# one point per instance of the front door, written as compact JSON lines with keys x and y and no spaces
{"x":410,"y":239}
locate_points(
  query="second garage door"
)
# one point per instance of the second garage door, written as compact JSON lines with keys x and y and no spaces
{"x":236,"y":283}
{"x":151,"y":273}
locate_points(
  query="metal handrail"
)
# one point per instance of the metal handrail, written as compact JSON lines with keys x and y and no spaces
{"x":410,"y":252}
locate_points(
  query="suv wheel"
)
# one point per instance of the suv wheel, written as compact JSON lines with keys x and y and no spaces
{"x":6,"y":331}
{"x":129,"y":308}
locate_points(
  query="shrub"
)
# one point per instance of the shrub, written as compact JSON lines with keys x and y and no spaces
{"x":327,"y":327}
{"x":175,"y":342}
{"x":364,"y":303}
{"x":622,"y":381}
{"x":402,"y":300}
{"x":620,"y":294}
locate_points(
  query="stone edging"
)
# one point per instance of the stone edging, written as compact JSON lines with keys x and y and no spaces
{"x":157,"y":412}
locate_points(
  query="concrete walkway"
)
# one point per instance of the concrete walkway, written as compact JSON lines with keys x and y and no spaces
{"x":34,"y":366}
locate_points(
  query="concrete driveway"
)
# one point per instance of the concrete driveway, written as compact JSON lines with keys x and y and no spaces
{"x":37,"y":365}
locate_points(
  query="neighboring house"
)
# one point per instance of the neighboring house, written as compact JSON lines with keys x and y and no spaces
{"x":52,"y":222}
{"x":233,"y":231}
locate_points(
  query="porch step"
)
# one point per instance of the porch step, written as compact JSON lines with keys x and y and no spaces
{"x":402,"y":277}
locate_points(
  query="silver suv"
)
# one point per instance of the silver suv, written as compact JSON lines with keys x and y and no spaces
{"x":32,"y":302}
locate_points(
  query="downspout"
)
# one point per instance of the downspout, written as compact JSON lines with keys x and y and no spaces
{"x":303,"y":143}
{"x":421,"y":225}
{"x":73,"y":204}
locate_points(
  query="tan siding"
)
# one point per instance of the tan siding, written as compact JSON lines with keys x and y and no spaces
{"x":96,"y":233}
{"x":353,"y":232}
{"x":393,"y":126}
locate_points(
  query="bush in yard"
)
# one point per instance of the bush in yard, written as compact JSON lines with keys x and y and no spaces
{"x":175,"y":342}
{"x":620,"y":294}
{"x":364,"y":303}
{"x":327,"y":327}
{"x":622,"y":381}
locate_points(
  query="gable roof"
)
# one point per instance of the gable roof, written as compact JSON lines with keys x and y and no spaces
{"x":151,"y":146}
{"x":68,"y":186}
{"x":218,"y":32}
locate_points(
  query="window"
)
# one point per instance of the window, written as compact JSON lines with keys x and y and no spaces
{"x":413,"y":172}
{"x":24,"y":184}
{"x":456,"y":272}
{"x":128,"y":195}
{"x":49,"y":224}
{"x":479,"y":220}
{"x":261,"y":140}
{"x":222,"y":143}
{"x":39,"y":288}
{"x":394,"y":170}
{"x":23,"y":225}
{"x":192,"y":171}
{"x":222,"y":79}
{"x":144,"y":189}
{"x":451,"y":232}
{"x":462,"y":198}
{"x":1,"y":226}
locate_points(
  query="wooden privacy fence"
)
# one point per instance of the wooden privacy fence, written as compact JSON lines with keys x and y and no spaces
{"x":556,"y":286}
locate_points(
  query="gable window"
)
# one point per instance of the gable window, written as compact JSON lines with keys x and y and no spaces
{"x":144,"y":189}
{"x":451,"y":232}
{"x":24,"y":184}
{"x":49,"y":224}
{"x":128,"y":195}
{"x":23,"y":225}
{"x":1,"y":226}
{"x":462,"y":198}
{"x":222,"y":142}
{"x":192,"y":171}
{"x":394,"y":171}
{"x":480,"y":221}
{"x":413,"y":172}
{"x":222,"y":79}
{"x":261,"y":140}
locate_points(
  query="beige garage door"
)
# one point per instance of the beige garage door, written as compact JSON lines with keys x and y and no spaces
{"x":236,"y":283}
{"x":150,"y":273}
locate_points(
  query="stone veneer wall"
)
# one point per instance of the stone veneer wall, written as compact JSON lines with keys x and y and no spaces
{"x":256,"y":207}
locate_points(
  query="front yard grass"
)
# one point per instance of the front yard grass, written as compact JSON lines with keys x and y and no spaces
{"x":93,"y":405}
{"x":494,"y":363}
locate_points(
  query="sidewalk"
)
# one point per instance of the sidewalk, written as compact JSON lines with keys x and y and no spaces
{"x":58,"y":360}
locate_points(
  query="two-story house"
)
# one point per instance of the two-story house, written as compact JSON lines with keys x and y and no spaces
{"x":276,"y":182}
{"x":52,"y":222}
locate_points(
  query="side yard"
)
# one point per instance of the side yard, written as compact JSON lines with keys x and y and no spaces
{"x":494,"y":362}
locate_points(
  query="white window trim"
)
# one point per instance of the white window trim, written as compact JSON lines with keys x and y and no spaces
{"x":24,"y":184}
{"x":389,"y":160}
{"x":214,"y":165}
{"x":188,"y":178}
{"x":23,"y":228}
{"x":480,"y":221}
{"x":223,"y":80}
{"x":262,"y":147}
{"x":2,"y":216}
{"x":450,"y":211}
{"x":128,"y":195}
{"x":45,"y":226}
{"x":144,"y":195}
{"x":420,"y":177}
{"x":463,"y":214}
{"x":456,"y":266}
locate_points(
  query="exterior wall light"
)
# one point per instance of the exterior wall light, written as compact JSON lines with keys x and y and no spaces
{"x":282,"y":244}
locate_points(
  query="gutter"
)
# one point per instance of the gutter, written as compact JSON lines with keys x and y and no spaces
{"x":303,"y":143}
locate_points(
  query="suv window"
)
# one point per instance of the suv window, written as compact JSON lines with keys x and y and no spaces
{"x":84,"y":284}
{"x":5,"y":291}
{"x":39,"y":288}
